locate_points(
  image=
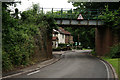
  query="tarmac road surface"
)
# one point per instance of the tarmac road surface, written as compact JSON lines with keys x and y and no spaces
{"x":74,"y":64}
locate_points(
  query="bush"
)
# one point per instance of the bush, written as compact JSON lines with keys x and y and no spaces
{"x":6,"y":62}
{"x":61,"y":49}
{"x":64,"y":48}
{"x":62,"y":45}
{"x":19,"y":35}
{"x":79,"y":47}
{"x":93,"y":52}
{"x":57,"y":49}
{"x":115,"y":51}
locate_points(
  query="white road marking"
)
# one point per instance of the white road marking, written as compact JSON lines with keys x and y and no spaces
{"x":33,"y":72}
{"x":108,"y":73}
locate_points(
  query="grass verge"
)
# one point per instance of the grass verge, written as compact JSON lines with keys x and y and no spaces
{"x":86,"y":49}
{"x":115,"y":63}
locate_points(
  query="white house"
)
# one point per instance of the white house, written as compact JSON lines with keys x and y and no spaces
{"x":61,"y":36}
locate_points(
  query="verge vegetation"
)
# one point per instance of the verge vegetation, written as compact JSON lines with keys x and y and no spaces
{"x":112,"y":20}
{"x":114,"y":62}
{"x":25,"y":40}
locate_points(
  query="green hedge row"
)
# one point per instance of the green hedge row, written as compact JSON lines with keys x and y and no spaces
{"x":115,"y":51}
{"x":18,"y":37}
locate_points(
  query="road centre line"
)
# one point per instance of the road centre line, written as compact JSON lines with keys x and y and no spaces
{"x":33,"y":72}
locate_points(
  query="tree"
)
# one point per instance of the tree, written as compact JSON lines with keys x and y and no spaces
{"x":111,"y":19}
{"x":22,"y":37}
{"x":96,"y":5}
{"x":90,"y":10}
{"x":86,"y":36}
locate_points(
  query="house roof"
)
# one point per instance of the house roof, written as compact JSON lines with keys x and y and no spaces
{"x":54,"y":38}
{"x":61,"y":30}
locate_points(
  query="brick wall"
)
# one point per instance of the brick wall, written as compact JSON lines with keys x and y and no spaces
{"x":43,"y":43}
{"x":104,"y":39}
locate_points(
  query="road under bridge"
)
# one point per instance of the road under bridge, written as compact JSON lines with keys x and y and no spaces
{"x":104,"y":38}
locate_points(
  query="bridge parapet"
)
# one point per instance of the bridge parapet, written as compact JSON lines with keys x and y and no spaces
{"x":72,"y":13}
{"x":75,"y":22}
{"x":69,"y":17}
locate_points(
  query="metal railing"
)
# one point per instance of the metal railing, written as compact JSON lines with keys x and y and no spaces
{"x":72,"y":13}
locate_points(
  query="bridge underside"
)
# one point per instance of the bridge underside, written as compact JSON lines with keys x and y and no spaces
{"x":79,"y":23}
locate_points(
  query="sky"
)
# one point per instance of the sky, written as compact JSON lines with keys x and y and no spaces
{"x":26,"y":4}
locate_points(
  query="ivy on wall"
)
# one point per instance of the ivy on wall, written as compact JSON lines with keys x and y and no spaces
{"x":18,"y":47}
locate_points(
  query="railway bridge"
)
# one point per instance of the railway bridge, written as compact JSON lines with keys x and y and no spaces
{"x":104,"y":38}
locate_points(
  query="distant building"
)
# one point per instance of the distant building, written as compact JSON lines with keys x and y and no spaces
{"x":54,"y":42}
{"x":61,"y":36}
{"x":55,"y":39}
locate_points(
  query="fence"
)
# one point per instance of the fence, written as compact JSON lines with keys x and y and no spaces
{"x":72,"y":13}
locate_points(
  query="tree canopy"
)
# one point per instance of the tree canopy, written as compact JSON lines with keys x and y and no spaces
{"x":108,"y":14}
{"x":96,"y":5}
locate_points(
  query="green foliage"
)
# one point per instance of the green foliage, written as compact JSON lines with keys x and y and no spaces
{"x":79,"y":47}
{"x":65,"y":14}
{"x":111,"y":19}
{"x":92,"y":9}
{"x":86,"y":36}
{"x":109,"y":16}
{"x":115,"y":51}
{"x":57,"y":49}
{"x":96,"y":5}
{"x":114,"y":62}
{"x":60,"y":49}
{"x":62,"y":45}
{"x":93,"y":52}
{"x":18,"y":41}
{"x":6,"y":61}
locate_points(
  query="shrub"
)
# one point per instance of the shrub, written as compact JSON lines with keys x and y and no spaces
{"x":18,"y":37}
{"x":79,"y":47}
{"x":115,"y":51}
{"x":6,"y":62}
{"x":93,"y":52}
{"x":57,"y":49}
{"x":64,"y":48}
{"x":62,"y":45}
